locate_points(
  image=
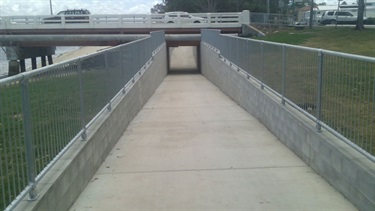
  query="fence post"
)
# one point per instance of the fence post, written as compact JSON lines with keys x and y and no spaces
{"x":27,"y":122}
{"x":320,"y":90}
{"x":82,"y":104}
{"x":283,"y":77}
{"x":262,"y":63}
{"x":123,"y":70}
{"x":108,"y":78}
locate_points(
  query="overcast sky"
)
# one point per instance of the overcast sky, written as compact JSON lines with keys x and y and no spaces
{"x":42,"y":7}
{"x":333,"y":2}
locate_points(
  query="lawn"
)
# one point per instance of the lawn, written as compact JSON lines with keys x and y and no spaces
{"x":342,"y":39}
{"x":348,"y":100}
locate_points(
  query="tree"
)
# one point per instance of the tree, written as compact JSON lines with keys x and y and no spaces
{"x":361,"y":10}
{"x":207,"y":5}
{"x":218,"y":5}
{"x":158,"y":8}
{"x":181,"y":5}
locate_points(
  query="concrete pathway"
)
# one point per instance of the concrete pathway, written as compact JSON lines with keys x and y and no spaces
{"x":192,"y":148}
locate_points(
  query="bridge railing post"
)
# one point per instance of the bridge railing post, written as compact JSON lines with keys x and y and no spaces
{"x":91,"y":21}
{"x":245,"y":17}
{"x":149,"y":21}
{"x":209,"y":19}
{"x":179,"y":20}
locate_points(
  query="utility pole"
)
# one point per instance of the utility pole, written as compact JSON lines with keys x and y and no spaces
{"x":337,"y":12}
{"x":311,"y":14}
{"x":293,"y":10}
{"x":268,"y":13}
{"x":50,"y":6}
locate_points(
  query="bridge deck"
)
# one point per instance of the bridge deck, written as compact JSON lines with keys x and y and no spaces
{"x":193,"y":148}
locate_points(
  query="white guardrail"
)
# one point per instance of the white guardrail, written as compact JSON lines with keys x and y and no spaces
{"x":196,"y":20}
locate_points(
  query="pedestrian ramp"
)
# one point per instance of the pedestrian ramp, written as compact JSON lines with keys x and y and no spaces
{"x":193,"y":148}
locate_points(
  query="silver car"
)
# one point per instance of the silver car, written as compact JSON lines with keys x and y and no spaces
{"x":340,"y":17}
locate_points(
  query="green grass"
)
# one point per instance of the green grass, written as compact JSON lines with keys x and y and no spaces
{"x":342,"y":39}
{"x":56,"y":119}
{"x":348,"y":85}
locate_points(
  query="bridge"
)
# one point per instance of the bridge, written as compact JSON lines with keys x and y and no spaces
{"x":252,"y":125}
{"x":123,"y":24}
{"x":36,"y":36}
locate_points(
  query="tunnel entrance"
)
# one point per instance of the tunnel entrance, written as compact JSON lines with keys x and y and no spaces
{"x":184,"y":60}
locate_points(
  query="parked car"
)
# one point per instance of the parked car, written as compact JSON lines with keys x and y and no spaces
{"x":340,"y":17}
{"x":172,"y":17}
{"x":70,"y":16}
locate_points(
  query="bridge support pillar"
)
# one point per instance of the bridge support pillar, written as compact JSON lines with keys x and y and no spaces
{"x":33,"y":63}
{"x":16,"y":56}
{"x":44,"y":61}
{"x":22,"y":65}
{"x":50,"y":60}
{"x":14,"y":67}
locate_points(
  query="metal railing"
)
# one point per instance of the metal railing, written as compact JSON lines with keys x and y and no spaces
{"x":271,"y":19}
{"x":199,"y":20}
{"x":336,"y":90}
{"x":43,"y":112}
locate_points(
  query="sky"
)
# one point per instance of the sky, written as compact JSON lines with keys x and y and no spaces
{"x":332,"y":2}
{"x":42,"y":7}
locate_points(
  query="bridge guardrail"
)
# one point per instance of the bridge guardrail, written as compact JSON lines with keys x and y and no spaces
{"x":122,"y":20}
{"x":43,"y":112}
{"x":336,"y":90}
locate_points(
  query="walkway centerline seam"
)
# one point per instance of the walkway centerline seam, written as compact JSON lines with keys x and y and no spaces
{"x":200,"y":170}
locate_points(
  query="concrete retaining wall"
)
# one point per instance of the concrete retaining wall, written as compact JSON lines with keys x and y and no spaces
{"x":62,"y":185}
{"x":348,"y":171}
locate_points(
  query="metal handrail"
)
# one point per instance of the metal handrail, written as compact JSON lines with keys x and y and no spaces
{"x":335,"y":90}
{"x":59,"y":103}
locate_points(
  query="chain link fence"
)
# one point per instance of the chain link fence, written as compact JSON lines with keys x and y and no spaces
{"x":271,"y":19}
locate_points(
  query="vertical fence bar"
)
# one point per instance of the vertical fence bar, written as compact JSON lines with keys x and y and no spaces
{"x":30,"y":157}
{"x":320,"y":89}
{"x":283,"y":76}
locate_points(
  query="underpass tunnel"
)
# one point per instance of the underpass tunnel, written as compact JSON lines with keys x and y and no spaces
{"x":184,"y":60}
